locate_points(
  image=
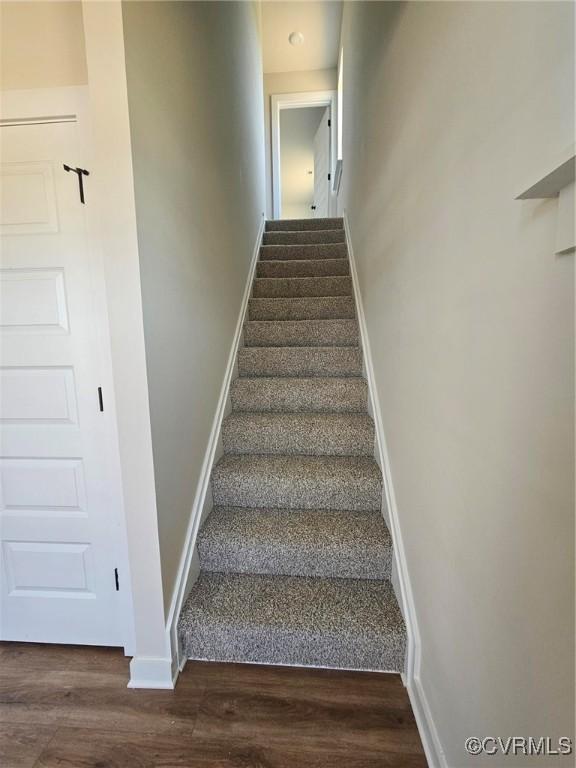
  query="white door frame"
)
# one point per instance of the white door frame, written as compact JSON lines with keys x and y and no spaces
{"x":70,"y":104}
{"x":298,"y":101}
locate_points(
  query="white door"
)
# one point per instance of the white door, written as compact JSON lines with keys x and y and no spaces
{"x":58,"y":530}
{"x":322,"y":167}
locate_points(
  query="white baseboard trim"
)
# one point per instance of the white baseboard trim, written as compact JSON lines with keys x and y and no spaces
{"x":403,"y":589}
{"x":188,"y":570}
{"x":152,"y":672}
{"x":425,"y":722}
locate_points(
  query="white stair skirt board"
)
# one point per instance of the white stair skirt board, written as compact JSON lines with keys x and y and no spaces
{"x":188,"y":569}
{"x":401,"y":580}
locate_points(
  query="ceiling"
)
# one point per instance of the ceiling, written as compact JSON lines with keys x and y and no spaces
{"x":319,"y":23}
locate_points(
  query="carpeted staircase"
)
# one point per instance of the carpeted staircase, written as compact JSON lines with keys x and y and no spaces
{"x":295,"y":555}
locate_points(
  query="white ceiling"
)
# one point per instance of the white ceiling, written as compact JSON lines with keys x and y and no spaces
{"x":319,"y":23}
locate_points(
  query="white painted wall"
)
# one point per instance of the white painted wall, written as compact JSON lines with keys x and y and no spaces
{"x":297,"y":130}
{"x":41,"y":44}
{"x":290,"y":82}
{"x":448,"y":108}
{"x":196,"y":115}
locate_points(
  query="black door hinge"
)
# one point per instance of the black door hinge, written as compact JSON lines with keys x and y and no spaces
{"x":329,"y":176}
{"x":116,"y":580}
{"x":329,"y":123}
{"x":100,"y":399}
{"x":80,"y":173}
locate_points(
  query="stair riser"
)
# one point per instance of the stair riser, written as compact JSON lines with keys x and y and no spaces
{"x":299,"y":435}
{"x":308,"y":543}
{"x":303,"y":268}
{"x":308,"y":493}
{"x":342,"y":623}
{"x":258,"y":557}
{"x":274,"y":646}
{"x":288,"y":333}
{"x":320,"y":308}
{"x":306,"y":361}
{"x":290,"y":287}
{"x":293,"y":395}
{"x":303,"y":225}
{"x":304,"y":238}
{"x":317,"y":252}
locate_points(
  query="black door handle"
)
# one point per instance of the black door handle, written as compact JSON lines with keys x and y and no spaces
{"x":80,"y":172}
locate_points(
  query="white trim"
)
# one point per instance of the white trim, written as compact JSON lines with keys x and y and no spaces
{"x":187,"y":573}
{"x":151,"y":672}
{"x":403,"y":589}
{"x":298,"y":101}
{"x":551,"y":177}
{"x":34,"y":105}
{"x":425,"y":721}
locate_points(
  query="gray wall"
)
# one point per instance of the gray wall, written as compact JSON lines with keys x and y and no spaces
{"x":197,"y":122}
{"x":451,"y":109}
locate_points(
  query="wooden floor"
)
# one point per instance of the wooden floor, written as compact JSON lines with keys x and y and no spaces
{"x":68,"y":707}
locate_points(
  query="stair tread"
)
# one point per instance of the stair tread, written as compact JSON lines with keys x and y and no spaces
{"x":304,"y":225}
{"x":286,"y":420}
{"x":302,"y":308}
{"x":306,"y":237}
{"x":345,"y":623}
{"x":290,"y":394}
{"x":302,"y":268}
{"x":303,"y":252}
{"x":300,"y":361}
{"x":341,"y":434}
{"x":326,"y":482}
{"x":341,"y":468}
{"x":287,"y":287}
{"x":312,"y":332}
{"x":301,"y":542}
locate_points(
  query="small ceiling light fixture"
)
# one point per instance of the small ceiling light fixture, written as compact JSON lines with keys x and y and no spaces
{"x":295,"y":38}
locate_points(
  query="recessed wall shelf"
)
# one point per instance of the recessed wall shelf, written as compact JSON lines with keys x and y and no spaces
{"x":559,"y":182}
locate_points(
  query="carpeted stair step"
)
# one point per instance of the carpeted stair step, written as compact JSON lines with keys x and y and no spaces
{"x":298,"y":482}
{"x":300,"y":333}
{"x":345,"y":395}
{"x":342,"y":623}
{"x":279,"y":287}
{"x":318,"y":308}
{"x":312,"y":252}
{"x":302,"y":225}
{"x":300,"y":361}
{"x":303,"y":268}
{"x":318,"y":434}
{"x":304,"y":238}
{"x":304,"y":542}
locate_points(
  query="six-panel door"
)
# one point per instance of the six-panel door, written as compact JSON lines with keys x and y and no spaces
{"x":58,"y":532}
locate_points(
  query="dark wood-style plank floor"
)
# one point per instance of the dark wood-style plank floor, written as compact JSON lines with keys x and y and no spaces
{"x":68,"y":707}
